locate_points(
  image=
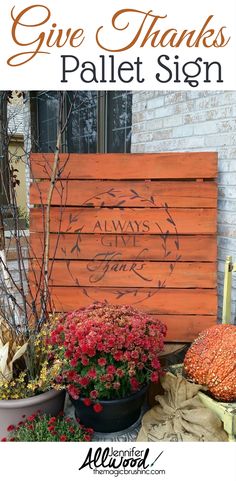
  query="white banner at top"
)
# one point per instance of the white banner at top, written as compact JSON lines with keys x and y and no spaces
{"x":118,"y":45}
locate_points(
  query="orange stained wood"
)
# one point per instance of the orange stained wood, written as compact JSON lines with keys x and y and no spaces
{"x":126,"y":221}
{"x":161,"y":301}
{"x":187,"y":327}
{"x":149,"y":194}
{"x":150,"y":247}
{"x":181,"y":327}
{"x":171,"y":165}
{"x":134,"y":229}
{"x":107,"y":272}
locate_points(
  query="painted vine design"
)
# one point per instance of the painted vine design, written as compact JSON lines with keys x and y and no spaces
{"x":121,"y":204}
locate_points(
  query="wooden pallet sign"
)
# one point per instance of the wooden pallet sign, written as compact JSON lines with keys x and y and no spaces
{"x":134,"y":229}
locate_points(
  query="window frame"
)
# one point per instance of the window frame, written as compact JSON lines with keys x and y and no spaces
{"x":102,"y":122}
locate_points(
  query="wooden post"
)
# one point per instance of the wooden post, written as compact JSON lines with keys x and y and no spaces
{"x":229,"y":269}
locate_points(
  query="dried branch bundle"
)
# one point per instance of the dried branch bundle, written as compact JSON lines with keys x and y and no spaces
{"x":25,"y":302}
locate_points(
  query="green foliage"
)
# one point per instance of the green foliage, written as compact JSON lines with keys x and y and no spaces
{"x":45,"y":428}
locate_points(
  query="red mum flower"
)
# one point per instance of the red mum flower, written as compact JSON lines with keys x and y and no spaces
{"x":154,"y":376}
{"x":70,"y":375}
{"x":84,"y":381}
{"x":63,"y":438}
{"x":111,"y":369}
{"x":91,"y":352}
{"x":90,"y":430}
{"x":10,"y":428}
{"x":102,"y":361}
{"x":116,"y":385}
{"x":94,"y":394}
{"x":127,"y":356}
{"x":92,"y":373}
{"x":51,"y":429}
{"x":73,"y":362}
{"x":52,"y":420}
{"x":97,"y":407}
{"x":120,"y":372}
{"x":84,"y":348}
{"x":134,"y":354}
{"x":134,"y":383}
{"x":68,"y":354}
{"x":3,"y":440}
{"x":87,"y":437}
{"x":30,"y":426}
{"x":108,"y":377}
{"x":118,"y":356}
{"x":31,"y":418}
{"x":155,"y":364}
{"x":84,"y":360}
{"x":73,"y":392}
{"x":140,"y":366}
{"x":87,"y":401}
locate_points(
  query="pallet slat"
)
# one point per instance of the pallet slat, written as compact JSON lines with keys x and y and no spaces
{"x":165,"y":301}
{"x":185,"y":327}
{"x":126,"y":221}
{"x":170,"y":165}
{"x":150,"y":247}
{"x":136,"y":194}
{"x":113,"y":273}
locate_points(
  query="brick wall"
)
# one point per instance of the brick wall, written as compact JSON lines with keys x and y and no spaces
{"x":195,"y":121}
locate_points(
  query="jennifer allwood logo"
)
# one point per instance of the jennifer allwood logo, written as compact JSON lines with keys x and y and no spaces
{"x":114,"y":462}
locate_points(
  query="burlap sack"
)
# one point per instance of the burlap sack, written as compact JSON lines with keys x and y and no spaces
{"x":180,"y":415}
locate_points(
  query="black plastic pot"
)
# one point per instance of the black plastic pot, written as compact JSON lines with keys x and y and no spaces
{"x":117,"y":414}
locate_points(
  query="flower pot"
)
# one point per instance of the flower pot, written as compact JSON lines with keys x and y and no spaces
{"x":12,"y":410}
{"x":116,"y":415}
